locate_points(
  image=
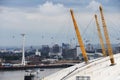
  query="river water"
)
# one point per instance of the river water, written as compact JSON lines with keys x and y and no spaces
{"x":19,"y":75}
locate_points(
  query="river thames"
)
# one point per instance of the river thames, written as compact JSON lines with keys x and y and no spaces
{"x":19,"y":75}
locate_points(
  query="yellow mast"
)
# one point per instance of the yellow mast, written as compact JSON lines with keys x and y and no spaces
{"x":79,"y":37}
{"x":107,"y":37}
{"x":100,"y":36}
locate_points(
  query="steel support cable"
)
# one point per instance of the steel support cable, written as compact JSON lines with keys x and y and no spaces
{"x":87,"y":26}
{"x":92,"y":19}
{"x":114,"y":28}
{"x":93,"y":32}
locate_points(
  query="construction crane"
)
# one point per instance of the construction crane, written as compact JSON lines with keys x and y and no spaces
{"x":100,"y":36}
{"x":110,"y":52}
{"x":79,"y":37}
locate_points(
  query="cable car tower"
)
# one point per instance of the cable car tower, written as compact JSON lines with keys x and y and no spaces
{"x":23,"y":50}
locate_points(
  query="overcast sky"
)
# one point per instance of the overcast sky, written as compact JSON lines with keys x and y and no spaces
{"x":49,"y":21}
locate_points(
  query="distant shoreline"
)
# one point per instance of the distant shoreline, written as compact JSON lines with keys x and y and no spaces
{"x":33,"y":66}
